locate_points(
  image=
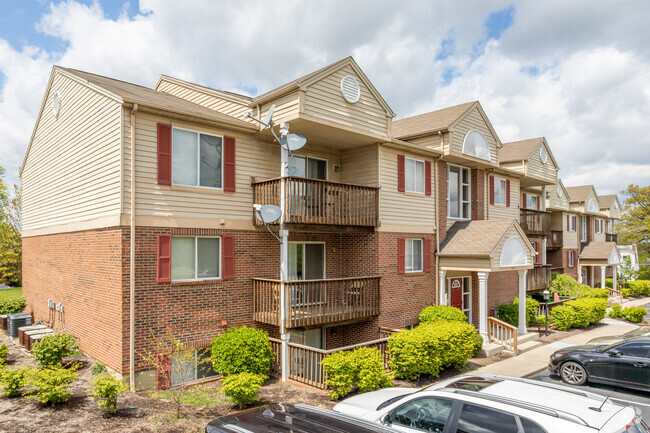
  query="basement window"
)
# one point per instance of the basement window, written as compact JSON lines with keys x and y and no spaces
{"x":197,"y":367}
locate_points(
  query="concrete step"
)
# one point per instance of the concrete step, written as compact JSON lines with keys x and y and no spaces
{"x":531,"y":336}
{"x":525,"y":347}
{"x":491,"y":349}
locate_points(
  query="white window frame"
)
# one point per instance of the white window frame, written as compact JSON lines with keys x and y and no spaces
{"x":418,"y":182}
{"x":531,"y":196}
{"x":599,"y":225}
{"x":303,"y":243}
{"x":307,"y":158}
{"x":583,"y":228}
{"x":503,"y":185}
{"x":198,"y":158}
{"x":196,"y":255}
{"x":461,"y":199}
{"x":574,"y":219}
{"x":406,"y":265}
{"x":536,"y":257}
{"x":572,"y":259}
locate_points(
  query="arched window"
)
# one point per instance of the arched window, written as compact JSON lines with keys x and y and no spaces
{"x":513,"y":253}
{"x":593,"y":207}
{"x":476,"y":145}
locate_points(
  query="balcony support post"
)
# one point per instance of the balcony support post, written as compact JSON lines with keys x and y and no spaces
{"x":284,"y":269}
{"x":443,"y":287}
{"x":592,"y":279}
{"x":602,"y":276}
{"x":614,"y":282}
{"x":580,"y":274}
{"x":522,"y":302}
{"x":483,"y":309}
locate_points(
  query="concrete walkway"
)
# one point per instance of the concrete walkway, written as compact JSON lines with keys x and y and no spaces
{"x":537,"y":359}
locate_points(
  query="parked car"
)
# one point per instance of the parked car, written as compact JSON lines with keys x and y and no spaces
{"x":289,"y":418}
{"x":625,"y":363}
{"x":493,"y":404}
{"x":611,"y":339}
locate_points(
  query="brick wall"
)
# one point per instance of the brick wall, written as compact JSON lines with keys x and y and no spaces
{"x":441,"y":195}
{"x":560,"y":259}
{"x":503,"y":288}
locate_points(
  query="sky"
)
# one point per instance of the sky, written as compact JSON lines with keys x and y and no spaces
{"x":576,"y":72}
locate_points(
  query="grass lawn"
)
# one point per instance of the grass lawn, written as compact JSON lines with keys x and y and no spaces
{"x":15,"y":292}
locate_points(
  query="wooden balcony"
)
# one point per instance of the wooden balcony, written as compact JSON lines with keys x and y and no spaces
{"x":538,"y":278}
{"x":611,"y":237}
{"x":316,"y":302}
{"x":535,"y":222}
{"x":314,"y":201}
{"x":555,"y":240}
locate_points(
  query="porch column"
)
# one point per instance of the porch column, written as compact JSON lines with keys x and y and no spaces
{"x":580,"y":274}
{"x":602,"y":276}
{"x":593,"y":276}
{"x":522,"y":302}
{"x":614,"y":277}
{"x":544,"y":251}
{"x":442,"y":287}
{"x":482,"y":302}
{"x":543,"y":198}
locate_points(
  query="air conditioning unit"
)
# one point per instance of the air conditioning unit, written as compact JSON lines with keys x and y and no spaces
{"x":16,"y":321}
{"x":3,"y":322}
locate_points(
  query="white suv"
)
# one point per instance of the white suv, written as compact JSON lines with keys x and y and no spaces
{"x":493,"y":404}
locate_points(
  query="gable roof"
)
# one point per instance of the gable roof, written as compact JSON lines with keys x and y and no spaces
{"x":580,"y":193}
{"x":607,"y":201}
{"x":599,"y":251}
{"x":429,"y":122}
{"x":236,"y":97}
{"x":476,"y":238}
{"x":311,"y":77}
{"x":522,"y":150}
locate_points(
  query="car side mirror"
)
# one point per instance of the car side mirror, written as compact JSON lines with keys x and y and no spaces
{"x":385,"y":419}
{"x":614,"y":353}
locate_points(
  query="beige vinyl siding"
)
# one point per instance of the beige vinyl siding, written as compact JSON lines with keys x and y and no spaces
{"x":72,"y":172}
{"x":496,"y":252}
{"x":539,"y":170}
{"x":286,"y":108}
{"x":252,"y":159}
{"x":207,"y":99}
{"x":599,"y":237}
{"x":332,"y":156}
{"x":360,"y":166}
{"x":324,"y":100}
{"x":570,"y":239}
{"x":556,"y":221}
{"x":501,"y":211}
{"x":399,"y":208}
{"x":517,"y":166}
{"x":473,"y":120}
{"x":430,"y":141}
{"x":554,"y":201}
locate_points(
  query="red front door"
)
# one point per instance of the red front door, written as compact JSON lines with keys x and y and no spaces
{"x":456,"y":291}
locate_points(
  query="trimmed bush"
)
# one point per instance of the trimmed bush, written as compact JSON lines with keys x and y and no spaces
{"x":509,"y":313}
{"x":436,"y":313}
{"x":12,"y":305}
{"x":541,"y":320}
{"x":616,"y":312}
{"x":429,"y":347}
{"x":639,"y":287}
{"x":51,"y":349}
{"x":635,"y":314}
{"x":242,"y":388}
{"x":242,"y":350}
{"x":478,"y":345}
{"x":362,"y":368}
{"x":12,"y":380}
{"x":563,"y":317}
{"x":566,"y":286}
{"x":50,"y":385}
{"x":4,"y":354}
{"x":106,"y":388}
{"x":588,"y":310}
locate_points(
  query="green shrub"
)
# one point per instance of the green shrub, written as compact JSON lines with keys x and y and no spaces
{"x":12,"y":380}
{"x":362,"y":368}
{"x":563,"y":317}
{"x":566,"y":286}
{"x":429,"y":347}
{"x":435,"y":313}
{"x":616,"y":312}
{"x":98,"y":368}
{"x":541,"y":320}
{"x":50,"y":385}
{"x":625,"y":293}
{"x":639,"y":287}
{"x":4,"y":354}
{"x":609,"y":282}
{"x":51,"y":349}
{"x":107,"y":388}
{"x":242,"y":388}
{"x":478,"y":345}
{"x":242,"y":350}
{"x":635,"y":314}
{"x":589,"y":311}
{"x":12,"y":305}
{"x":509,"y":313}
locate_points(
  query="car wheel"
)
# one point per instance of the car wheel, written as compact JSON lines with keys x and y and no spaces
{"x":573,"y":373}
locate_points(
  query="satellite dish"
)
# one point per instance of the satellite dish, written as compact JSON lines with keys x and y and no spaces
{"x":269,"y":115}
{"x":269,"y":213}
{"x":293,"y":142}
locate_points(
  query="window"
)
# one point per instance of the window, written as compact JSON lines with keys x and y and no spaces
{"x":571,"y":223}
{"x":196,"y":159}
{"x":458,"y":192}
{"x":531,"y":427}
{"x":599,"y":225}
{"x":637,"y":350}
{"x":531,"y":201}
{"x":428,"y":414}
{"x":195,"y":258}
{"x":413,"y":255}
{"x":583,"y":228}
{"x":414,"y":175}
{"x":572,"y":258}
{"x":475,"y":419}
{"x":536,"y":256}
{"x":500,"y":191}
{"x":197,"y":365}
{"x":476,"y":145}
{"x":543,"y":155}
{"x":304,"y":166}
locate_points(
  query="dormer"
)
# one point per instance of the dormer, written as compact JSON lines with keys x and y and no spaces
{"x":610,"y":206}
{"x":533,"y":159}
{"x":584,"y":199}
{"x":557,"y":198}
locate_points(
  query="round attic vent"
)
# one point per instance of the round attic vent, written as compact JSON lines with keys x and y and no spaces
{"x":350,"y":89}
{"x":56,"y":104}
{"x":543,"y":154}
{"x":559,"y":191}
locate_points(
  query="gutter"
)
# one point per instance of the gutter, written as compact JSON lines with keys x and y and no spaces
{"x":132,"y":258}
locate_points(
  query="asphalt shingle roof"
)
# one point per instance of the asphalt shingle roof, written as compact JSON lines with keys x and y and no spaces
{"x":474,"y":237}
{"x":518,"y":150}
{"x":597,"y":250}
{"x":429,"y":122}
{"x":579,"y":193}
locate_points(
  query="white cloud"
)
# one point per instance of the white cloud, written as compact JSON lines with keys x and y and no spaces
{"x":589,"y":94}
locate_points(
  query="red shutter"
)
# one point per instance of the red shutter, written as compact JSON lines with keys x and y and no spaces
{"x":427,"y":255}
{"x":228,"y":163}
{"x":163,"y":371}
{"x":164,"y":272}
{"x":524,"y":205}
{"x":568,"y":223}
{"x":228,"y":257}
{"x":508,"y":192}
{"x":401,"y":255}
{"x":400,"y":174}
{"x":164,"y":154}
{"x":539,"y":199}
{"x":491,"y":189}
{"x":427,"y":177}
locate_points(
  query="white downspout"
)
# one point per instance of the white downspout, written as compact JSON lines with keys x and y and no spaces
{"x":132,"y":259}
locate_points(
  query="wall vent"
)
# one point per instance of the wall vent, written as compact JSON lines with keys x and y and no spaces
{"x":350,"y":89}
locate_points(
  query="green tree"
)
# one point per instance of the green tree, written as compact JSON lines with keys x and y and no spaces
{"x":11,"y":245}
{"x":635,"y":221}
{"x":626,"y":270}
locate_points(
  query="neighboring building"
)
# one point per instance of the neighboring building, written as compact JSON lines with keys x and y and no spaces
{"x":564,"y":232}
{"x":631,"y":252}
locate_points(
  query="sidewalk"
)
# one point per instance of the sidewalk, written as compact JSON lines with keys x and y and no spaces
{"x":537,"y":359}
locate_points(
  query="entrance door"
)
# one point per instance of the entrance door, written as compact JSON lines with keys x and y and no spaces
{"x":307,"y":262}
{"x":460,"y":295}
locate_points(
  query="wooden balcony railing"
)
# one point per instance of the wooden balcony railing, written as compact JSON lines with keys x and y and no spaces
{"x":315,"y":201}
{"x":535,"y":222}
{"x":555,"y":240}
{"x":316,"y":302}
{"x":305,"y":362}
{"x":538,"y":278}
{"x":611,"y":237}
{"x":502,"y":333}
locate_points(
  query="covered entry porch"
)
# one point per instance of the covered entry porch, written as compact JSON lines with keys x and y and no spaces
{"x":474,"y":250}
{"x":594,"y":261}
